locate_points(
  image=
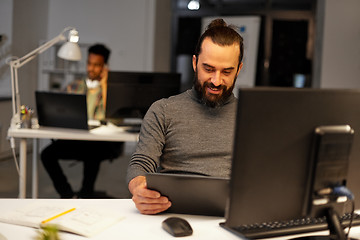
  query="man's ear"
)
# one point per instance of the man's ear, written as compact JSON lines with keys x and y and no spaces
{"x":240,"y":67}
{"x":194,"y":62}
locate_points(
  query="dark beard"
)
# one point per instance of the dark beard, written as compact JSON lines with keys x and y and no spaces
{"x":212,"y":101}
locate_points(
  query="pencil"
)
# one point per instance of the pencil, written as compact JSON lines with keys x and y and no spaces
{"x":56,"y":216}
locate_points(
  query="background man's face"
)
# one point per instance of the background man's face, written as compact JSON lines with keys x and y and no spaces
{"x":95,"y":65}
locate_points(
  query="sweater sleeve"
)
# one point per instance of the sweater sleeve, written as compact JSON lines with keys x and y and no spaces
{"x":146,"y":157}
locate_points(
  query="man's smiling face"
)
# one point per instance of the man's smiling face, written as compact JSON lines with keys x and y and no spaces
{"x":216,"y":70}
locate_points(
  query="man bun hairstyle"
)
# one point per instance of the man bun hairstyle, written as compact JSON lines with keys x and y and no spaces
{"x":222,"y":34}
{"x":219,"y":22}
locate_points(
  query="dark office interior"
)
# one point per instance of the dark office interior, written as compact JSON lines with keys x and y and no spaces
{"x":287,"y":44}
{"x":305,"y":51}
{"x":286,"y":35}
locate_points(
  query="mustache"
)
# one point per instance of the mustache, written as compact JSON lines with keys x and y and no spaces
{"x":211,"y":85}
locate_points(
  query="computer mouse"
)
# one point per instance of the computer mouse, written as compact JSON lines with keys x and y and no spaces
{"x":178,"y":227}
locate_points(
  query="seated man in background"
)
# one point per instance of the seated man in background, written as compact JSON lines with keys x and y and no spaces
{"x":191,"y":132}
{"x":91,"y":153}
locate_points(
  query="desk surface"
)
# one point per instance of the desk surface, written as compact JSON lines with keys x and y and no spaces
{"x":133,"y":226}
{"x":102,"y":133}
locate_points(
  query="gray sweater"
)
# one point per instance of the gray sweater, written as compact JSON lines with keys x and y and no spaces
{"x":180,"y":134}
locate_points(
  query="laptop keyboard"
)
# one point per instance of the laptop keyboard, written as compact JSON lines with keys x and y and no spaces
{"x":296,"y":226}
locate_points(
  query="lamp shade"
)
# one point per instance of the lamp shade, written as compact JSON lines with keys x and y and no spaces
{"x":70,"y":51}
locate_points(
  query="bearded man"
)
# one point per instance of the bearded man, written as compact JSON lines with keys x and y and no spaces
{"x":191,"y":132}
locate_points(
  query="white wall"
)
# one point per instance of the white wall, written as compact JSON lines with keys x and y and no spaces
{"x":6,"y":10}
{"x":22,"y":22}
{"x":29,"y":26}
{"x":126,"y":27}
{"x":6,"y":13}
{"x":131,"y":28}
{"x":339,"y":48}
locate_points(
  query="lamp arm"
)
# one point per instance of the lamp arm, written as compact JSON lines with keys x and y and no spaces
{"x":12,"y":75}
{"x":16,"y":63}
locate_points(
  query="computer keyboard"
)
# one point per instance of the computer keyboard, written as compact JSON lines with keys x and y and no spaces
{"x":295,"y":226}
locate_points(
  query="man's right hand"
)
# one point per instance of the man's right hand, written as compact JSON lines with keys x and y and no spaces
{"x":147,"y":201}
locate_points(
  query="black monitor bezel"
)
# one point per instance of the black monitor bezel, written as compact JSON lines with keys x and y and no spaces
{"x":268,"y":117}
{"x":137,"y":91}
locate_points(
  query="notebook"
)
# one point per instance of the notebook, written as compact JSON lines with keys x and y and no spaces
{"x":65,"y":110}
{"x":191,"y":194}
{"x":71,"y":217}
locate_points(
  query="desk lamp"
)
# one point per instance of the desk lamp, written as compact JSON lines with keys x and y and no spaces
{"x":70,"y":50}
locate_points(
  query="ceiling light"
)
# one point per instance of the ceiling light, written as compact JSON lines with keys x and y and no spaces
{"x":194,"y":5}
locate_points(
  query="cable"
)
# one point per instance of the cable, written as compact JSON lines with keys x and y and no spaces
{"x":344,"y":191}
{"x":16,"y":163}
{"x":12,"y":145}
{"x":351,"y":218}
{"x":341,"y":191}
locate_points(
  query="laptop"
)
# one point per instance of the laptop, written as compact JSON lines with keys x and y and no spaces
{"x":191,"y":194}
{"x":64,"y":110}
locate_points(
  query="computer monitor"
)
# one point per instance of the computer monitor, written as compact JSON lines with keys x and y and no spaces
{"x":130,"y":94}
{"x":273,"y":163}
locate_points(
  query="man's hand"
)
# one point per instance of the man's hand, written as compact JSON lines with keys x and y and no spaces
{"x":104,"y":74}
{"x":147,"y":201}
{"x":103,"y":82}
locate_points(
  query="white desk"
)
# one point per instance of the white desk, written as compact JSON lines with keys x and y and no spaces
{"x":133,"y":226}
{"x":102,"y":133}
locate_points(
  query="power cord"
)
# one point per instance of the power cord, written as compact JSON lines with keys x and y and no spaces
{"x":12,"y":145}
{"x":344,"y":191}
{"x":13,"y":150}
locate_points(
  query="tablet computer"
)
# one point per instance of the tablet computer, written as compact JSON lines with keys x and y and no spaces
{"x":191,"y":194}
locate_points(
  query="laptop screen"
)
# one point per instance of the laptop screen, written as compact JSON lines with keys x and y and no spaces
{"x":66,"y":110}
